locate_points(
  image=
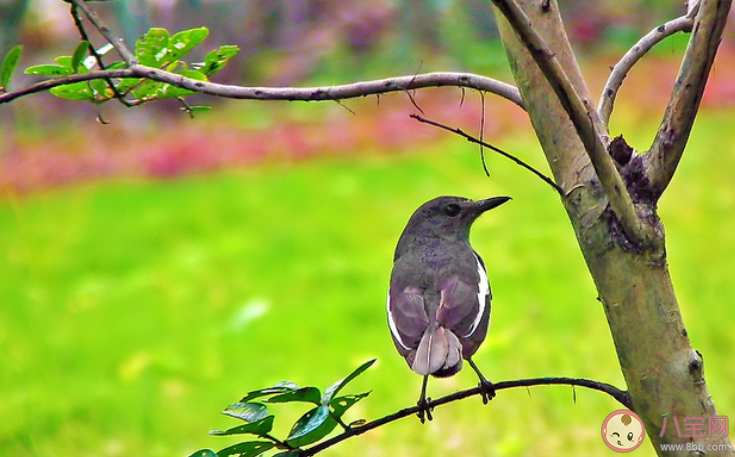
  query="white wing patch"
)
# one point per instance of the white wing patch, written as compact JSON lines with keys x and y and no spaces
{"x":482,"y":294}
{"x":392,"y":325}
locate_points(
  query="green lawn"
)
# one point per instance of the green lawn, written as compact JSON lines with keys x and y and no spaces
{"x":132,"y":312}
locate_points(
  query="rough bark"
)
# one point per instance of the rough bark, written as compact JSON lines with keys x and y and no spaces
{"x":663,"y":372}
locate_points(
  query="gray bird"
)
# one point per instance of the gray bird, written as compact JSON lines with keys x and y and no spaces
{"x":439,"y":296}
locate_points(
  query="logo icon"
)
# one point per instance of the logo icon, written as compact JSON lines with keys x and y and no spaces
{"x":623,"y":430}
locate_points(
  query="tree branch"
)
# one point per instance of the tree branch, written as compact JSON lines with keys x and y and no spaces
{"x":634,"y":54}
{"x":482,"y":143}
{"x":341,"y":92}
{"x":585,"y":120}
{"x":619,"y":395}
{"x":672,"y":136}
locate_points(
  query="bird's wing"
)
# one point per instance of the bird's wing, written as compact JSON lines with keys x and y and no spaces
{"x":407,"y":317}
{"x":464,"y":305}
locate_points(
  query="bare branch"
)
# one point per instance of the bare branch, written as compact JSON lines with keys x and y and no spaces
{"x":585,"y":120}
{"x":115,"y":41}
{"x":672,"y":136}
{"x":359,"y":89}
{"x":481,"y":142}
{"x":634,"y":54}
{"x":611,"y":390}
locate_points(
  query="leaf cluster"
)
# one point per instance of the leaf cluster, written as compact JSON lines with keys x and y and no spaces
{"x":156,"y":49}
{"x":318,"y":422}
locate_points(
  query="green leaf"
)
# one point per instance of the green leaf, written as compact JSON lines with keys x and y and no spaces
{"x":65,"y":61}
{"x":199,"y":108}
{"x":10,"y":63}
{"x":247,"y":449}
{"x":249,"y":411}
{"x":341,"y":404}
{"x":74,"y":91}
{"x":260,"y":428}
{"x":217,"y":59}
{"x":337,"y":386}
{"x":117,"y":65}
{"x":204,"y":453}
{"x":48,"y":70}
{"x":281,"y":387}
{"x":183,"y":42}
{"x":171,"y":91}
{"x":101,"y":88}
{"x":294,"y":453}
{"x":305,"y":394}
{"x":147,"y":89}
{"x":311,"y":427}
{"x":152,"y":48}
{"x":79,"y":54}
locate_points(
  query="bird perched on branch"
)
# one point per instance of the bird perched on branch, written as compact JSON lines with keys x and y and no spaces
{"x":439,"y":296}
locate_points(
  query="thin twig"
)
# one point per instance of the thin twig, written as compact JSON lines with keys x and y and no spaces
{"x":619,"y":395}
{"x":73,"y":10}
{"x":354,"y":90}
{"x":482,"y":134}
{"x":634,"y":54}
{"x":681,"y":110}
{"x":115,"y":41}
{"x":585,"y":121}
{"x":472,"y":139}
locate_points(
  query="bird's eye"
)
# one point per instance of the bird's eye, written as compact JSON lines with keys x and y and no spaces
{"x":452,"y":210}
{"x":630,"y":436}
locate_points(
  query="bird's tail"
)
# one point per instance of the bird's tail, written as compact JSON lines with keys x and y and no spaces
{"x":439,"y":353}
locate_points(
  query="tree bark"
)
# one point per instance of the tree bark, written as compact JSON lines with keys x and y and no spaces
{"x":664,"y":374}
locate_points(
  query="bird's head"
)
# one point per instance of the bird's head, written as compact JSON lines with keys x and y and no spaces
{"x":449,"y":217}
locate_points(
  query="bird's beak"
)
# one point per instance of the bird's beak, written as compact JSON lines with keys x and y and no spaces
{"x":484,"y":205}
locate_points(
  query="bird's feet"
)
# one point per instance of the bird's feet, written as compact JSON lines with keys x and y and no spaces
{"x":487,"y":390}
{"x":425,"y":408}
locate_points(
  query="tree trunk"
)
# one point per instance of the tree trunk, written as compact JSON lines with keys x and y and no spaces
{"x":663,"y":372}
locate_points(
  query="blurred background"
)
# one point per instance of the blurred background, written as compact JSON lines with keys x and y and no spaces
{"x":155,"y":269}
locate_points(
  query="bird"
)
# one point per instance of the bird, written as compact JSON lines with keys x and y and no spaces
{"x":439,"y":296}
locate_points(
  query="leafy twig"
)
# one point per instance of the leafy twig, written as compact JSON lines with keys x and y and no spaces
{"x":482,"y":143}
{"x":609,"y":389}
{"x":115,"y":41}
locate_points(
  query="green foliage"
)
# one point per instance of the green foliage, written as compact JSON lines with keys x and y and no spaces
{"x":311,"y":427}
{"x":156,"y":48}
{"x":8,"y":66}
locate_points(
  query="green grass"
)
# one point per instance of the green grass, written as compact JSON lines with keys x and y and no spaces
{"x":132,"y":312}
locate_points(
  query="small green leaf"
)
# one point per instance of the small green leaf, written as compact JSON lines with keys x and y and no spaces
{"x":199,"y":109}
{"x":147,"y":89}
{"x":341,"y":404}
{"x":48,"y":70}
{"x":247,"y":449}
{"x":204,"y":453}
{"x":74,"y":91}
{"x":294,"y":453}
{"x":171,"y":91}
{"x":249,"y":412}
{"x":183,"y":42}
{"x":337,"y":386}
{"x":101,"y":89}
{"x":79,"y":54}
{"x":116,"y":65}
{"x":10,"y":63}
{"x":217,"y":59}
{"x":65,"y":61}
{"x":311,"y":427}
{"x":152,"y":48}
{"x":281,"y":387}
{"x":260,"y":428}
{"x":305,"y":394}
